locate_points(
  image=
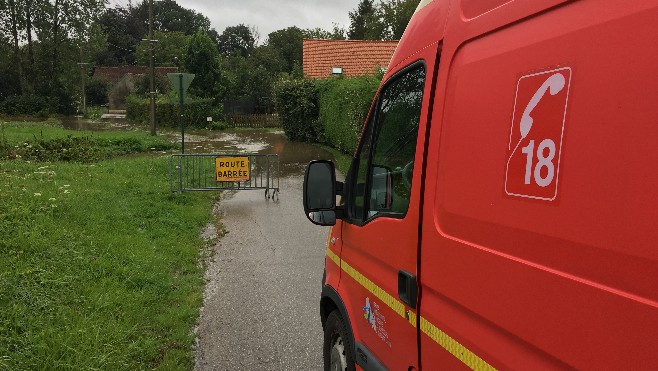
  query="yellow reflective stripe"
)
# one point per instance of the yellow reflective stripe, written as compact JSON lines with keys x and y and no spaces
{"x":412,"y":318}
{"x":331,"y":255}
{"x":462,"y":353}
{"x":469,"y":358}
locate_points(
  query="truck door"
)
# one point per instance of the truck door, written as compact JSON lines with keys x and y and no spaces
{"x":380,"y":235}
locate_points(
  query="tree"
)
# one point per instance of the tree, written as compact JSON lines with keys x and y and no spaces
{"x":237,"y":39}
{"x":202,"y":59}
{"x":171,"y":17}
{"x":395,"y":15}
{"x":12,"y":18}
{"x":170,"y":47}
{"x":47,"y":67}
{"x":96,"y":91}
{"x":385,"y":20}
{"x":123,"y":32}
{"x":9,"y":83}
{"x":318,"y":33}
{"x":127,"y":26}
{"x":288,"y":44}
{"x":364,"y":23}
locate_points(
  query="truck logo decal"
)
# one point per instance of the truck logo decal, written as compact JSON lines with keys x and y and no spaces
{"x":536,"y":134}
{"x":369,"y":315}
{"x":377,"y":320}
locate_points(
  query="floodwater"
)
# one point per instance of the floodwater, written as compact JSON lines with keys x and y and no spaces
{"x":81,"y":123}
{"x":293,"y":156}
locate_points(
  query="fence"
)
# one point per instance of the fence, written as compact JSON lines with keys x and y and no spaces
{"x":255,"y":121}
{"x":206,"y":172}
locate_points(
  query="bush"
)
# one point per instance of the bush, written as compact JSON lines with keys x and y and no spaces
{"x":25,"y":105}
{"x":62,"y":100}
{"x":327,"y":111}
{"x":297,"y":104}
{"x":167,"y":114}
{"x":344,"y":106}
{"x":96,"y":91}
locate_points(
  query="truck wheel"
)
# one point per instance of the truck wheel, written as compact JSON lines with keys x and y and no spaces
{"x":338,"y":346}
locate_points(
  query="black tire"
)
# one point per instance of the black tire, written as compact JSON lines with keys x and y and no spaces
{"x":338,"y":348}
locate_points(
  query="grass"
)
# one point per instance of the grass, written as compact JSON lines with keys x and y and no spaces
{"x":100,"y":263}
{"x":341,"y":160}
{"x":49,"y":142}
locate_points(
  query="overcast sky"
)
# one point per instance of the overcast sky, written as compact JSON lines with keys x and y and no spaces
{"x":273,"y":15}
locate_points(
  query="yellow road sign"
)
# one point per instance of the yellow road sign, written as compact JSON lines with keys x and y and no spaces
{"x":232,"y":169}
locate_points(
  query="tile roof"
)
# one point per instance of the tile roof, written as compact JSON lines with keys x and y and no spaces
{"x":114,"y":74}
{"x":356,"y":57}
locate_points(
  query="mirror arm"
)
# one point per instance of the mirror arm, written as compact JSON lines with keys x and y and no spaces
{"x":340,"y":212}
{"x":340,"y":186}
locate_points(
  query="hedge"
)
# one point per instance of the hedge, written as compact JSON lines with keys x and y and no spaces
{"x":344,"y":106}
{"x":296,"y":102}
{"x":326,"y":111}
{"x":25,"y":105}
{"x":167,"y":114}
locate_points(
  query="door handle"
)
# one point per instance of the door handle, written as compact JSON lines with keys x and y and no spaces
{"x":407,"y":288}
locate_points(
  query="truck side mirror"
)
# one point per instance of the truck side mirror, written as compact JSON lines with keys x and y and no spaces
{"x":320,"y":193}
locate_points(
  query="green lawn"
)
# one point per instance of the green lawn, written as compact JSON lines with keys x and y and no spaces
{"x":100,"y":264}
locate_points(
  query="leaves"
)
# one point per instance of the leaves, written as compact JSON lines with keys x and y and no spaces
{"x":169,"y":49}
{"x":327,"y":111}
{"x":385,"y":20}
{"x":237,"y":40}
{"x":297,"y":104}
{"x":202,"y":59}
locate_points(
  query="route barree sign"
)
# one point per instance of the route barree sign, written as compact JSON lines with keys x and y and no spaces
{"x":232,"y":169}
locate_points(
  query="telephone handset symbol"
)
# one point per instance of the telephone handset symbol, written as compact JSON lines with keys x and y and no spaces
{"x":554,"y":85}
{"x":532,"y":172}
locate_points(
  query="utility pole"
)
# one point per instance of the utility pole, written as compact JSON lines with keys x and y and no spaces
{"x":83,"y":77}
{"x":152,"y":67}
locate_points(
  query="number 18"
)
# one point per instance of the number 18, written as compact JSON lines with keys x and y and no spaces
{"x":543,"y":162}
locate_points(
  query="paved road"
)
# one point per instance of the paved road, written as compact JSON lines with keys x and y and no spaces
{"x":261,"y":302}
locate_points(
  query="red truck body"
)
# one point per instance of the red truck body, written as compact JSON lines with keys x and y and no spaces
{"x":529,"y":235}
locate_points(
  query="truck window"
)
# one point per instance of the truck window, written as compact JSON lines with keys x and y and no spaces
{"x":386,"y":157}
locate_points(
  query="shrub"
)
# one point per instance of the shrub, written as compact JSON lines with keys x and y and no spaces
{"x":344,"y":105}
{"x":167,"y":114}
{"x":25,"y":105}
{"x":96,"y":91}
{"x":297,"y":104}
{"x":81,"y":149}
{"x":327,"y":111}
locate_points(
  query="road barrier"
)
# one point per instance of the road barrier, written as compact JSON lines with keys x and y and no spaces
{"x":211,"y":171}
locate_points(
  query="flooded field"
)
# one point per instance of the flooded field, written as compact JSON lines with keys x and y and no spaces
{"x":81,"y":123}
{"x":293,"y":156}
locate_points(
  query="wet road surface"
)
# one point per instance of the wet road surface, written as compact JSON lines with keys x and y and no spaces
{"x":261,"y":305}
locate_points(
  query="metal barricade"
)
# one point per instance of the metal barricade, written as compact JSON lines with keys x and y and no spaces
{"x":199,"y":172}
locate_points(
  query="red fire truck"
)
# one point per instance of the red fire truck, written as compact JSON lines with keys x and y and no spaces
{"x":501,"y":208}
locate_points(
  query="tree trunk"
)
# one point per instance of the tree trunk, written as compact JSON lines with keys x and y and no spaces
{"x":17,"y":50}
{"x":28,"y":26}
{"x":30,"y":51}
{"x":55,"y":43}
